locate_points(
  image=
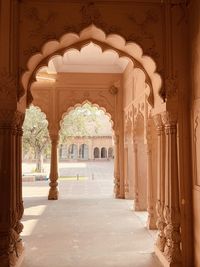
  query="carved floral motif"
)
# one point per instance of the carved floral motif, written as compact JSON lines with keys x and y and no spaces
{"x":8,"y":85}
{"x":169,"y":118}
{"x":142,"y":33}
{"x":41,"y":24}
{"x":173,"y":237}
{"x":160,"y":223}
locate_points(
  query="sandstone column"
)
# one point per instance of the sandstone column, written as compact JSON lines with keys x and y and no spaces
{"x":20,"y":207}
{"x":116,"y":167}
{"x":135,"y":174}
{"x":160,"y":242}
{"x":151,"y":224}
{"x":172,"y":250}
{"x":11,"y":210}
{"x":126,"y":178}
{"x":53,"y":191}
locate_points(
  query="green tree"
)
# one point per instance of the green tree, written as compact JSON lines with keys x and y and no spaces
{"x":36,"y":136}
{"x":83,"y":121}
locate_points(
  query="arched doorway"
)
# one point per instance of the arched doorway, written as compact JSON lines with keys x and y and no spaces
{"x":110,"y":100}
{"x":127,"y":54}
{"x":84,"y":152}
{"x":103,"y":153}
{"x":73,"y":151}
{"x":96,"y":152}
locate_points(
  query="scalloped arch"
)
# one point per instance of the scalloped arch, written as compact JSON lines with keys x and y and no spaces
{"x":93,"y":34}
{"x":81,"y":105}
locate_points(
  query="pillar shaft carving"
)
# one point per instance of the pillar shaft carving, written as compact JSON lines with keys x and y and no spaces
{"x":11,"y":246}
{"x":53,"y":191}
{"x":161,"y":239}
{"x":116,"y":167}
{"x":135,"y":173}
{"x":172,"y":249}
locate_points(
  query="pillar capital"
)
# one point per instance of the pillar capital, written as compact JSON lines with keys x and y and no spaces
{"x":11,"y":118}
{"x":8,"y":87}
{"x":169,"y":118}
{"x":54,"y":138}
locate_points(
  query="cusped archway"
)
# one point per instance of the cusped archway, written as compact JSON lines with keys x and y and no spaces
{"x":114,"y":42}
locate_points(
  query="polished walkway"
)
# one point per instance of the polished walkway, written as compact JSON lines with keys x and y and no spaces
{"x":86,"y":227}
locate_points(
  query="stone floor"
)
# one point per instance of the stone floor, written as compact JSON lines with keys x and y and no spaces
{"x":86,"y":227}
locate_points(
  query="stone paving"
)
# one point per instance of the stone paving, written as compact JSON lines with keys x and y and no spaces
{"x":86,"y":227}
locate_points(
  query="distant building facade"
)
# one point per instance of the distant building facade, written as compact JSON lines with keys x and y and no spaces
{"x":87,"y":148}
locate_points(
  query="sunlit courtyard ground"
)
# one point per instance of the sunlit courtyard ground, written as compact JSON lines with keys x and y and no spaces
{"x":86,"y":227}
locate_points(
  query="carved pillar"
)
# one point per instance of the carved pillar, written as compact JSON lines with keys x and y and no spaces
{"x":172,"y":250}
{"x":126,"y":178}
{"x":160,"y":242}
{"x":53,"y":191}
{"x":116,"y":167}
{"x":11,"y":210}
{"x":135,"y":174}
{"x":20,"y":206}
{"x":151,"y":224}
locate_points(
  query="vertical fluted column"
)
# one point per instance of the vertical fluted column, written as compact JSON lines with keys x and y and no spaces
{"x":135,"y":174}
{"x":151,"y":224}
{"x":172,"y":250}
{"x":116,"y":167}
{"x":53,"y":191}
{"x":161,"y":240}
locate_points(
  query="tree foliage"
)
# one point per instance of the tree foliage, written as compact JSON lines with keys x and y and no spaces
{"x":83,"y":121}
{"x":36,"y":135}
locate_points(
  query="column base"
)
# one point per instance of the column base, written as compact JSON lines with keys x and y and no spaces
{"x":12,"y":260}
{"x":163,"y":260}
{"x":137,"y":208}
{"x":118,"y":196}
{"x":151,"y":223}
{"x":53,"y":194}
{"x":20,"y":259}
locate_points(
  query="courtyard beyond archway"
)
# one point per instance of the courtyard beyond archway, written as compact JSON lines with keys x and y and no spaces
{"x":87,"y":226}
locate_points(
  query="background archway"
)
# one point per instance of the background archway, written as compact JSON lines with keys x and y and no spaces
{"x":103,"y":153}
{"x":96,"y":153}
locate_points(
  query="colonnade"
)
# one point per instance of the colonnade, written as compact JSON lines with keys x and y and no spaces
{"x":167,"y":246}
{"x":168,"y":243}
{"x":156,"y":181}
